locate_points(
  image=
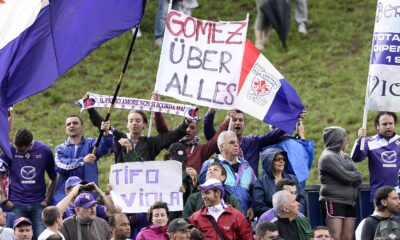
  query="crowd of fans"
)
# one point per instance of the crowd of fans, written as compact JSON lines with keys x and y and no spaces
{"x":225,"y":196}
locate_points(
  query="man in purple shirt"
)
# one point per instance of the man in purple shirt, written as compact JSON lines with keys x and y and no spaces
{"x":382,"y":151}
{"x":27,"y":191}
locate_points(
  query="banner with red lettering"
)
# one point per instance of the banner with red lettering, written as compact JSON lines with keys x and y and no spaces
{"x":201,"y":60}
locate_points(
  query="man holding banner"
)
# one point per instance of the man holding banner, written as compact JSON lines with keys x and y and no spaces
{"x":132,"y":146}
{"x":74,"y":157}
{"x":382,"y":150}
{"x":382,"y":94}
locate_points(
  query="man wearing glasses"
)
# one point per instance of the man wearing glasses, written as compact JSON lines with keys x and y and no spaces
{"x":240,"y":176}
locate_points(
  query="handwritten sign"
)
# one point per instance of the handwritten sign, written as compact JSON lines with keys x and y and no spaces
{"x":201,"y":60}
{"x":137,"y":185}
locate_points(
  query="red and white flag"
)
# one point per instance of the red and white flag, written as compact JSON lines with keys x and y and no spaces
{"x":265,"y":94}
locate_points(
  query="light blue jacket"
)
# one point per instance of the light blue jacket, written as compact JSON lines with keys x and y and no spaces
{"x":241,"y":186}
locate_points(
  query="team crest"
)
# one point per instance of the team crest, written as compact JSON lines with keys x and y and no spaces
{"x":262,"y":85}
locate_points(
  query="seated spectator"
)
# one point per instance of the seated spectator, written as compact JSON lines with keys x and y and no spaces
{"x":274,"y":163}
{"x":321,"y":233}
{"x":52,"y":219}
{"x":340,"y":179}
{"x":75,"y":186}
{"x":266,"y":231}
{"x":284,"y":184}
{"x":120,"y":227}
{"x":216,"y":219}
{"x":386,"y":203}
{"x":158,"y":216}
{"x":194,"y":203}
{"x":23,"y":229}
{"x":289,"y":224}
{"x":240,"y":176}
{"x":85,"y":225}
{"x":179,"y":229}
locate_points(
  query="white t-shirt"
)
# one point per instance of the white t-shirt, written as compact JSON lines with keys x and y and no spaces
{"x":6,"y":234}
{"x":47,"y":233}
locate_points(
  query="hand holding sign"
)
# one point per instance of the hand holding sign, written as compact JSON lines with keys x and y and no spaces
{"x":201,"y":60}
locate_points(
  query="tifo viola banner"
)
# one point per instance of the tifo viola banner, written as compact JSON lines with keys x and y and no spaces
{"x":201,"y":60}
{"x":104,"y":101}
{"x":137,"y":185}
{"x":383,"y":91}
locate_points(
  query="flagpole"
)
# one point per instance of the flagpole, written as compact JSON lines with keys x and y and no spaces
{"x":365,"y":116}
{"x":121,"y":77}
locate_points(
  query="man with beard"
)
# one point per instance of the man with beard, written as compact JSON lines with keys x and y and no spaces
{"x":216,"y":219}
{"x":387,"y":203}
{"x":85,"y":225}
{"x":382,"y":151}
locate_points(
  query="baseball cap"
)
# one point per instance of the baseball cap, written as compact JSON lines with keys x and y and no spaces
{"x":177,"y":151}
{"x":73,"y":181}
{"x":178,"y":224}
{"x":21,"y":220}
{"x":213,"y":183}
{"x":84,"y":200}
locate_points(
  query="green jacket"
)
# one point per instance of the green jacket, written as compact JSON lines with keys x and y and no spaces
{"x":303,"y":228}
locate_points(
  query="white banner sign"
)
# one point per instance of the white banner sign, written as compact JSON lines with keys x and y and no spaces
{"x":201,"y":60}
{"x":96,"y":100}
{"x":384,"y":70}
{"x":137,"y":185}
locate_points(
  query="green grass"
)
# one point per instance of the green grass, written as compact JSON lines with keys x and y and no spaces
{"x":328,"y":67}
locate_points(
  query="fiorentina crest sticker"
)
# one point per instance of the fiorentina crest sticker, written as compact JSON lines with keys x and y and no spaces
{"x":262,"y":85}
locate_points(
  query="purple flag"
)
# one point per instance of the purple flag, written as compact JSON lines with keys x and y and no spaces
{"x":63,"y":33}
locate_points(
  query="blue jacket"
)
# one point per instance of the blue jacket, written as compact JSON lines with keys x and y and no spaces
{"x":240,"y":186}
{"x":69,"y":162}
{"x":264,"y":187}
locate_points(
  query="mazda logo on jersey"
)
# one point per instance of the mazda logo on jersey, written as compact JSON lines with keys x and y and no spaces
{"x":28,"y":172}
{"x":389,"y":156}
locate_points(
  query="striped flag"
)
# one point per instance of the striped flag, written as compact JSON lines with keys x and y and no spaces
{"x":265,"y":94}
{"x":39,"y":41}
